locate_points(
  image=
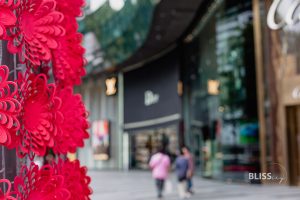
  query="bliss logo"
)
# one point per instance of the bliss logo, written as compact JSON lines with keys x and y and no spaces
{"x":260,"y":176}
{"x":279,"y":177}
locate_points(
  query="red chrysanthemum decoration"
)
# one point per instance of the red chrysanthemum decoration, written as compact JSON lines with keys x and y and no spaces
{"x":8,"y":194}
{"x":9,"y":108}
{"x":40,"y":184}
{"x":38,"y":116}
{"x":73,"y":130}
{"x":7,"y":17}
{"x":72,"y":8}
{"x":37,"y":30}
{"x":75,"y":179}
{"x":68,"y":60}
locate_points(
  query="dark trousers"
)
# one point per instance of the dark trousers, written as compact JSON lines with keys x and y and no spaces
{"x":189,"y":184}
{"x":159,"y":186}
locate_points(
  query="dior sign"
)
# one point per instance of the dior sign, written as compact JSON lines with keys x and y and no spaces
{"x":150,"y":98}
{"x":286,"y":10}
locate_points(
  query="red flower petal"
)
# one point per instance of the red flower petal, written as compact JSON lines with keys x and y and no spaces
{"x":38,"y":115}
{"x":7,"y":17}
{"x":37,"y":30}
{"x":73,"y":130}
{"x":9,"y":108}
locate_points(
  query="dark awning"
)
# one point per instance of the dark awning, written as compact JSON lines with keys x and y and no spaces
{"x":171,"y":21}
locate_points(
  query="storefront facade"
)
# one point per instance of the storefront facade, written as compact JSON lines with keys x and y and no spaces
{"x":221,"y":120}
{"x":229,"y":91}
{"x":241,"y":90}
{"x":152,"y":109}
{"x":277,"y":36}
{"x":102,"y":149}
{"x":141,"y":32}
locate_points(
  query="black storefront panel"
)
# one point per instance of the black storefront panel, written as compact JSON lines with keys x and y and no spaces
{"x":150,"y":94}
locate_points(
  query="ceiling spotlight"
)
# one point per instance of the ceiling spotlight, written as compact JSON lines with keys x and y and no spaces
{"x":116,"y":4}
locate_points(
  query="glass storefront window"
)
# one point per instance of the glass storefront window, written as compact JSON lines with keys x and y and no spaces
{"x":223,"y":92}
{"x":145,"y":143}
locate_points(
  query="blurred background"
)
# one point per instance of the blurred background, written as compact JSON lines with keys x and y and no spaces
{"x":219,"y":76}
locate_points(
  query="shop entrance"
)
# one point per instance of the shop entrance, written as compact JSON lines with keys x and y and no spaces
{"x":145,"y":143}
{"x":293,"y":134}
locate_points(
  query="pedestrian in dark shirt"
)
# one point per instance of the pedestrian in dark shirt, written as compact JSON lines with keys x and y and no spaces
{"x":187,"y":153}
{"x":182,"y":166}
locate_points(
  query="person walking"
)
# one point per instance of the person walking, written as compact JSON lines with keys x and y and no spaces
{"x":160,"y":164}
{"x":182,"y":165}
{"x":190,"y":173}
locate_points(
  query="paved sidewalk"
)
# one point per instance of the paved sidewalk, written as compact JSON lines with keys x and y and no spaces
{"x":110,"y":185}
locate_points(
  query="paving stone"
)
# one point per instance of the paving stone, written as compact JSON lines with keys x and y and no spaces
{"x":138,"y":185}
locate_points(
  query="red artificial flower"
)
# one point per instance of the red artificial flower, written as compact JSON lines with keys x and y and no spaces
{"x":75,"y":179}
{"x":72,"y":8}
{"x":73,"y":130}
{"x":38,"y":116}
{"x":37,"y":30}
{"x":40,"y":184}
{"x":68,"y":60}
{"x":9,"y":108}
{"x":8,"y":194}
{"x":7,"y":17}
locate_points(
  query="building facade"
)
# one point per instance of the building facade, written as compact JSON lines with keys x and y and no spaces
{"x":102,"y":149}
{"x":277,"y":39}
{"x":228,"y":89}
{"x":221,"y":121}
{"x":152,"y":109}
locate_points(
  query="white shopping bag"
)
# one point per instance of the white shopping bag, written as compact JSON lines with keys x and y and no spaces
{"x":168,"y":187}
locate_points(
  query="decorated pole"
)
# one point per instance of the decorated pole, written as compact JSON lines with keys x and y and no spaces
{"x":38,"y":116}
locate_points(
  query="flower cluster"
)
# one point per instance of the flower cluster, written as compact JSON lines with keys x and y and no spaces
{"x":9,"y":108}
{"x":45,"y":31}
{"x":37,"y":30}
{"x":36,"y":115}
{"x":76,"y":179}
{"x":73,"y":129}
{"x":68,"y":60}
{"x":63,"y":181}
{"x":35,"y":183}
